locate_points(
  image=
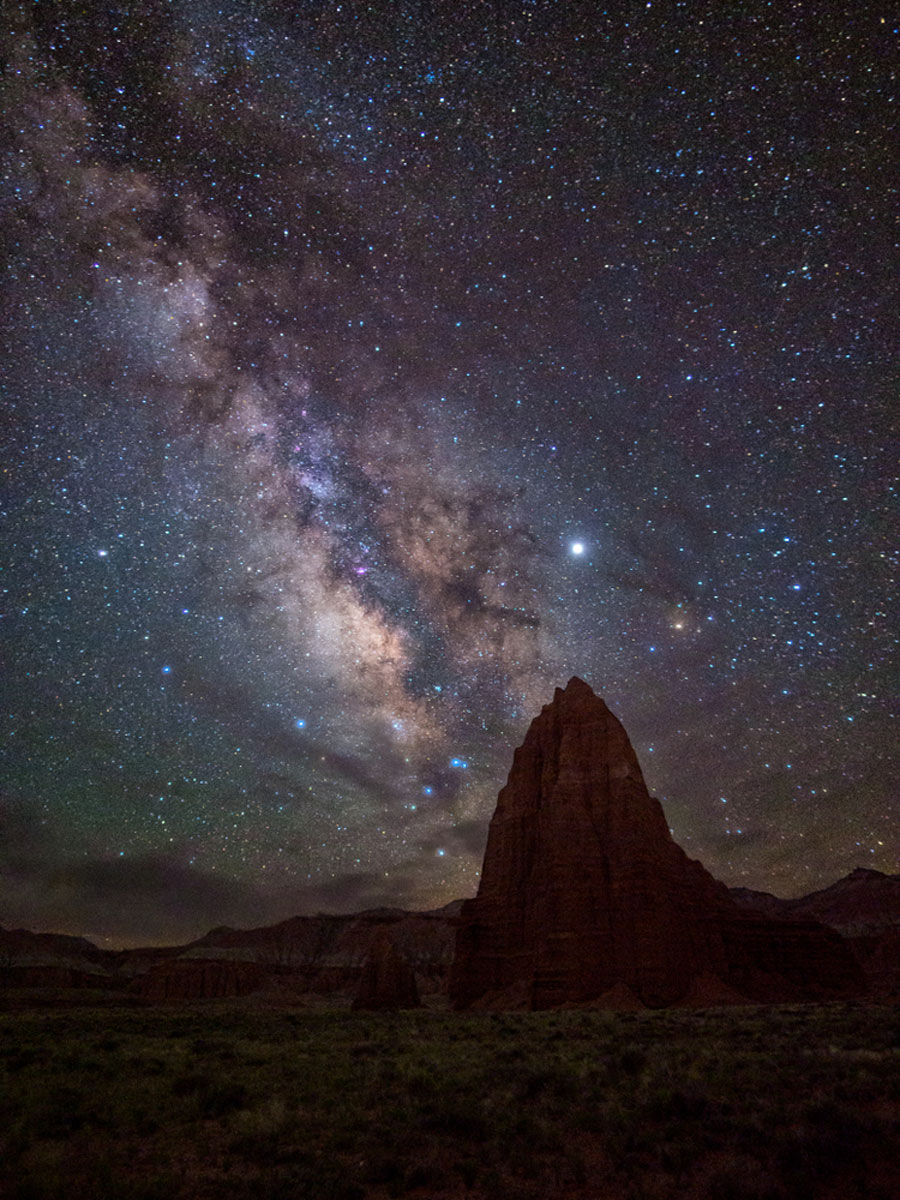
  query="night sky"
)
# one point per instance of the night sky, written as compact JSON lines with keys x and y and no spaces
{"x":369,"y":370}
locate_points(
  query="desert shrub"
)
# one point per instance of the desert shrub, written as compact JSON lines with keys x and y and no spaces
{"x":17,"y":1058}
{"x":629,"y":1060}
{"x":680,"y":1104}
{"x":758,"y":1104}
{"x":458,"y":1122}
{"x":320,"y":1182}
{"x":190,"y":1083}
{"x":551,"y":1081}
{"x":259,"y":1133}
{"x":740,"y":1178}
{"x":830,"y":1139}
{"x":220,"y":1098}
{"x":61,"y":1112}
{"x":107,"y":1044}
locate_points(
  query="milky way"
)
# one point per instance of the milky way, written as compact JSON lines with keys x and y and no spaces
{"x":369,"y":372}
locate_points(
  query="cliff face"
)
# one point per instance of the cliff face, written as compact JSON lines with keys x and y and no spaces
{"x":322,"y":955}
{"x":583,"y":888}
{"x":582,"y":885}
{"x":196,"y":979}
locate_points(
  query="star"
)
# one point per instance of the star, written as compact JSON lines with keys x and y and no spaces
{"x":354,"y":453}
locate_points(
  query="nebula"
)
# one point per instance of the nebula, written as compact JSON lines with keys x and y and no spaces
{"x":368,"y":381}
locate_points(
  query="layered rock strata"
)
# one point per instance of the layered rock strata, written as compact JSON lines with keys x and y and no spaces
{"x":198,"y":979}
{"x":583,"y":888}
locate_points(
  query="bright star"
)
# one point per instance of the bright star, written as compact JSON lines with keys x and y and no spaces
{"x":300,"y":723}
{"x":577,"y":548}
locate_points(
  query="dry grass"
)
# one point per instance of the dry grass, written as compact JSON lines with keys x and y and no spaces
{"x":790,"y":1103}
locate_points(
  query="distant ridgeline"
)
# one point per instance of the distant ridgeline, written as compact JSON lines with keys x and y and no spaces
{"x":584,"y":899}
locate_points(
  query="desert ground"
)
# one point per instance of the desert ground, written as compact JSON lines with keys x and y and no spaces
{"x":105,"y":1098}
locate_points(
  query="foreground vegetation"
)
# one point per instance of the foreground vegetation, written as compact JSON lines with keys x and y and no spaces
{"x":230,"y":1101}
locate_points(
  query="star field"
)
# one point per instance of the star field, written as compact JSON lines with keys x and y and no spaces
{"x":370,"y":370}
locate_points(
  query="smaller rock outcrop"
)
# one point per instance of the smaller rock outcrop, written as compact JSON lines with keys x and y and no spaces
{"x":387,"y":982}
{"x":618,"y":998}
{"x":196,"y":979}
{"x":709,"y":991}
{"x":879,"y":957}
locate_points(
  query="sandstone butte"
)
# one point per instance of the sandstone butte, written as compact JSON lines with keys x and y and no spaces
{"x":585,"y":894}
{"x":387,"y":981}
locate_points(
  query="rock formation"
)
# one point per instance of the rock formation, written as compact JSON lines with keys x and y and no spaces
{"x":60,"y":978}
{"x":199,"y":979}
{"x":321,"y":955}
{"x":387,"y":981}
{"x":862,"y":904}
{"x":583,"y":889}
{"x":324,"y":954}
{"x":879,"y":958}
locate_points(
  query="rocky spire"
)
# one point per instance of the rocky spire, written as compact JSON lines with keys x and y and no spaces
{"x":583,"y":888}
{"x":387,"y":980}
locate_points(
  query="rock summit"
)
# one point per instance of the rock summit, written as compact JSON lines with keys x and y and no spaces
{"x":583,"y":890}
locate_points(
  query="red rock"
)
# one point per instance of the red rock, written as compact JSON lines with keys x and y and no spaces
{"x":325,"y":953}
{"x":708,"y":991}
{"x":618,"y":998}
{"x":582,"y":885}
{"x":199,"y":979}
{"x":786,"y":960}
{"x":879,"y":956}
{"x":583,"y":888}
{"x":515,"y":998}
{"x":387,"y":982}
{"x":862,"y":904}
